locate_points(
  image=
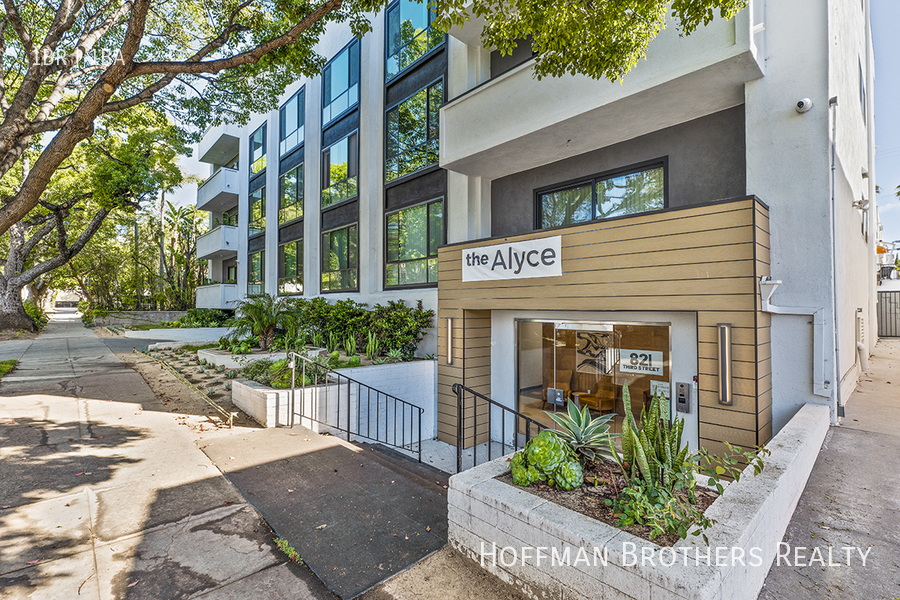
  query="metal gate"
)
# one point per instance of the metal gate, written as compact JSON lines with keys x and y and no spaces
{"x":889,"y":314}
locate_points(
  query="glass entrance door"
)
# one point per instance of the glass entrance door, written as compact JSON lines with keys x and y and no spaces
{"x":589,"y":364}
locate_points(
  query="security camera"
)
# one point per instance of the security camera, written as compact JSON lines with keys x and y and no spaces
{"x":804,"y":105}
{"x":861,"y":204}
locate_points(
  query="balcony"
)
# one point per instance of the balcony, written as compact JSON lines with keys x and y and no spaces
{"x":217,"y":295}
{"x":514,"y":122}
{"x":220,"y":192}
{"x":219,"y":144}
{"x":218,"y":244}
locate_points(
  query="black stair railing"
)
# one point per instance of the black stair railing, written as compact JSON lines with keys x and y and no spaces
{"x":482,"y":412}
{"x":341,"y":403}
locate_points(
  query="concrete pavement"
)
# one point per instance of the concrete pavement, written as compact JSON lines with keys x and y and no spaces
{"x":104,"y":496}
{"x":852,"y":498}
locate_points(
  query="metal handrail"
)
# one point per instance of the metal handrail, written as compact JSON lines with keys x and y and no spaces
{"x":409,"y":421}
{"x":506,"y":412}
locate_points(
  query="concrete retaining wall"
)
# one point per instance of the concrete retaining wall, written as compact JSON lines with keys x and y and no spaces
{"x":137,"y":317}
{"x":414,"y":382}
{"x":486,"y":515}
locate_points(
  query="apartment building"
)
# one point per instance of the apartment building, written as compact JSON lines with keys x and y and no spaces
{"x":700,"y":230}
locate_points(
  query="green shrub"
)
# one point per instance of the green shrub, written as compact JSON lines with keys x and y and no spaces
{"x":203,"y":317}
{"x":37,"y":314}
{"x":399,"y":326}
{"x":546,"y":457}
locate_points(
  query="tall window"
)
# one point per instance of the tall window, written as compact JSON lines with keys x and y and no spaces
{"x":413,"y":237}
{"x":409,"y":35}
{"x":230,"y":217}
{"x":340,"y":259}
{"x":290,"y":204}
{"x":340,"y":80}
{"x":603,"y":197}
{"x":340,"y":171}
{"x":412,"y":132}
{"x":258,"y":150}
{"x":257,"y":211}
{"x":256,"y":273}
{"x":290,"y":268}
{"x":290,"y":126}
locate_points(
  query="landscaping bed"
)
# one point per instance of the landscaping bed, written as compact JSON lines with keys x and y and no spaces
{"x":604,"y":481}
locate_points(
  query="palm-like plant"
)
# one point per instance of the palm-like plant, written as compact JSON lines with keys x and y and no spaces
{"x":587,"y":436}
{"x":259,"y":316}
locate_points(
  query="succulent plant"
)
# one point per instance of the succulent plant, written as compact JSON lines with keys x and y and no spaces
{"x":587,"y":436}
{"x":548,"y":457}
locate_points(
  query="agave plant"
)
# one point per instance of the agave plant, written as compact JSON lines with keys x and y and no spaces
{"x":587,"y":436}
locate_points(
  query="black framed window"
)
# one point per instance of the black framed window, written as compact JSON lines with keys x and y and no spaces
{"x":256,"y":273}
{"x":410,"y":35}
{"x":290,"y":126}
{"x":413,"y":132}
{"x":340,"y":259}
{"x":257,"y":223}
{"x":413,"y":238}
{"x":340,"y":81}
{"x":230,"y":217}
{"x":615,"y":194}
{"x":258,"y":150}
{"x":290,"y":268}
{"x":340,"y":170}
{"x":290,"y":203}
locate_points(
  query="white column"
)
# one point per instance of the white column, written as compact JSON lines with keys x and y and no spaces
{"x":312,"y":182}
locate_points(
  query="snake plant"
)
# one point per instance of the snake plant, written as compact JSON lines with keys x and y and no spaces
{"x":587,"y":436}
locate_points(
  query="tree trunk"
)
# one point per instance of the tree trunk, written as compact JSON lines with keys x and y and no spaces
{"x":12,"y":311}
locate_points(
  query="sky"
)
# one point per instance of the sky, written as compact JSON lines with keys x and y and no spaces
{"x":885,"y":17}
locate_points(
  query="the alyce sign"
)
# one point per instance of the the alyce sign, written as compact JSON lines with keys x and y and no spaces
{"x":516,"y":260}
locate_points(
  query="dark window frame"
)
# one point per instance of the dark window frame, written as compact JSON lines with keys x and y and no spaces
{"x":298,"y":266}
{"x":301,"y":120}
{"x":386,"y":262}
{"x":262,"y":271}
{"x":265,"y":142}
{"x":427,"y":87}
{"x":387,"y":32}
{"x":250,"y":221}
{"x":323,"y":271}
{"x":299,"y":199}
{"x":352,"y":164}
{"x":350,"y":107}
{"x":593,"y":180}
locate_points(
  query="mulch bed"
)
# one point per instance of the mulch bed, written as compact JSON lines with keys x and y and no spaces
{"x":602,"y":481}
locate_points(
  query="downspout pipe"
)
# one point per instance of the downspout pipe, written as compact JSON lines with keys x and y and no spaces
{"x":767,"y":287}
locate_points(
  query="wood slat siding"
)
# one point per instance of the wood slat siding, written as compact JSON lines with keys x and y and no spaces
{"x":705,"y":259}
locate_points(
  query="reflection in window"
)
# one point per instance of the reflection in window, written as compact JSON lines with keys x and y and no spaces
{"x":413,"y":238}
{"x":257,"y":223}
{"x":339,"y":171}
{"x":413,"y":129}
{"x":409,"y":35}
{"x":291,"y":123}
{"x":230,"y":217}
{"x":340,"y":259}
{"x":603,"y":198}
{"x":290,"y":268}
{"x":256,"y":273}
{"x":340,"y":80}
{"x":290,"y":204}
{"x":258,"y":150}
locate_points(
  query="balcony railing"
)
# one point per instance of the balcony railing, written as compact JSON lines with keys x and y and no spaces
{"x":217,"y":295}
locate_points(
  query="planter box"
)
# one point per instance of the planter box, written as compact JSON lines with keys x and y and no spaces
{"x":503,"y":527}
{"x":272,"y":408}
{"x":239,"y":361}
{"x":371,"y":415}
{"x":137,"y":317}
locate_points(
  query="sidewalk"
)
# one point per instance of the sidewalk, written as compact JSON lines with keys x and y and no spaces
{"x":104,"y":496}
{"x":852,"y":497}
